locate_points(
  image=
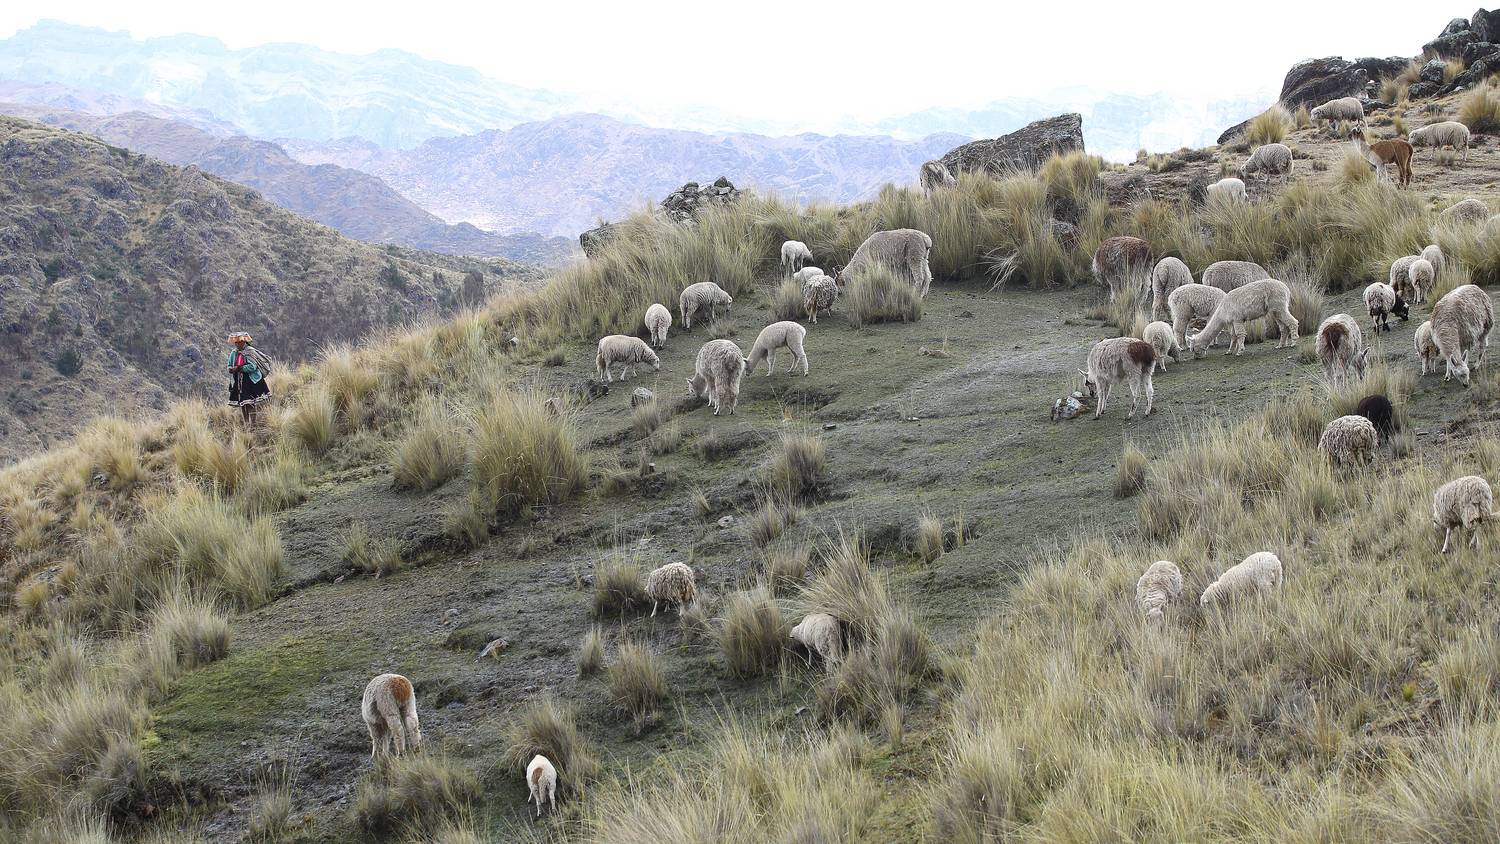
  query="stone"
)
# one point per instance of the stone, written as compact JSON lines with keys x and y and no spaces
{"x":594,"y":239}
{"x":681,"y":205}
{"x":1432,"y":71}
{"x":1024,"y":149}
{"x":588,"y":389}
{"x":726,"y":522}
{"x":1454,"y":27}
{"x":1451,"y":46}
{"x":1064,"y":232}
{"x":1486,"y":25}
{"x":1420,"y":90}
{"x":641,"y":395}
{"x":1312,"y":82}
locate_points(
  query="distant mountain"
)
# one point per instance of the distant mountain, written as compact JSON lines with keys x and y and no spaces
{"x":393,"y":98}
{"x":120,"y":274}
{"x":357,"y":204}
{"x":560,"y":176}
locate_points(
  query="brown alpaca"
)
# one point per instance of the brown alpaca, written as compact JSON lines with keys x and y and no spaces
{"x":1382,"y":153}
{"x":389,"y":709}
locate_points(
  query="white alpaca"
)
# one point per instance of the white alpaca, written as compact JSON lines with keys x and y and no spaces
{"x":1164,"y":341}
{"x":673,"y":583}
{"x":717,"y":375}
{"x":1427,"y":350}
{"x":389,"y":708}
{"x":794,"y":254}
{"x":819,"y":633}
{"x":1349,"y":441}
{"x":1341,"y":348}
{"x":905,"y":251}
{"x":1227,"y":190}
{"x":1121,"y":358}
{"x":1168,"y":275}
{"x":1267,"y":297}
{"x":1256,"y":574}
{"x":704,"y":294}
{"x":1461,"y":324}
{"x":626,"y":351}
{"x":1159,"y":586}
{"x":1192,"y":304}
{"x":773,"y":337}
{"x":1437,"y":135}
{"x":658,"y":320}
{"x":541,"y":782}
{"x":1465,"y":503}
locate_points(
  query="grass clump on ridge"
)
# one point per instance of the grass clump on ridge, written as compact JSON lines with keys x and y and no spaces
{"x":878,"y":294}
{"x":523,"y":455}
{"x":1270,"y":126}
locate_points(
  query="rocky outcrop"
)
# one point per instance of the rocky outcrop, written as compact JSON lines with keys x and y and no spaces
{"x":1313,"y":82}
{"x":594,"y":239}
{"x":682,"y":205}
{"x":1024,"y":149}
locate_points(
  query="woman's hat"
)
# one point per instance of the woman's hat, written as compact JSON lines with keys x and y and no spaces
{"x":238,"y":336}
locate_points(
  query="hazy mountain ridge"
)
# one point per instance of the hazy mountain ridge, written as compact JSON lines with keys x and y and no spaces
{"x":119,"y":275}
{"x":356,"y":203}
{"x":509,"y":180}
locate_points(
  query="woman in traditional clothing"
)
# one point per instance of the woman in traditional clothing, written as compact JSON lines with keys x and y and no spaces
{"x":248,"y":368}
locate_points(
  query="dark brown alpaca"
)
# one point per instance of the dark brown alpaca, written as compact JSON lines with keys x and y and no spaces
{"x":1384,"y":152}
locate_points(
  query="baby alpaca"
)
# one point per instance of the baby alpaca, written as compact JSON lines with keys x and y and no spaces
{"x":1257,"y":574}
{"x":1382,"y":300}
{"x":1427,"y":350}
{"x":794,"y":254}
{"x":1159,"y":586}
{"x":1120,"y":358}
{"x":1161,"y":338}
{"x":1341,"y":348}
{"x":673,"y":583}
{"x":704,"y":294}
{"x":773,"y":337}
{"x":626,"y":351}
{"x":1227,"y":190}
{"x":541,"y":781}
{"x":1378,"y":409}
{"x":658,"y":320}
{"x":1349,"y":441}
{"x":717,"y":376}
{"x":1418,"y":281}
{"x":1466,"y":503}
{"x":389,"y":708}
{"x":819,"y":633}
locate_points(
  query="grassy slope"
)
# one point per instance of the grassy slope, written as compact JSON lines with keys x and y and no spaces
{"x":982,"y":446}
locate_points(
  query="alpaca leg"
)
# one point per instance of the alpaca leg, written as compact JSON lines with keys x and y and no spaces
{"x":374,"y":738}
{"x":1150,"y":395}
{"x":653,"y":608}
{"x":1447,"y":533}
{"x":552,"y":799}
{"x":1474,"y":538}
{"x":413,"y":730}
{"x":1103,"y":397}
{"x":1135,"y":399}
{"x":398,"y":732}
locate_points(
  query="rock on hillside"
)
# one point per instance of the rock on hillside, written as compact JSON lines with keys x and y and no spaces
{"x":561,"y":176}
{"x":357,"y":204}
{"x":680,"y":206}
{"x":120,"y":274}
{"x":1024,"y":149}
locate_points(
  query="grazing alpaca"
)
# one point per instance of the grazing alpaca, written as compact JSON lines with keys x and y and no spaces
{"x":541,"y":782}
{"x":1386,"y":152}
{"x":390,"y":712}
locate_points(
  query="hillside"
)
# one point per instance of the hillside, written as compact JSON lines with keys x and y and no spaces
{"x":130,"y":271}
{"x":512,"y":180}
{"x":356,"y":204}
{"x":190,"y":615}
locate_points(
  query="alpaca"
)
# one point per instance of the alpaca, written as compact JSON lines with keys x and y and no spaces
{"x":1385,"y":152}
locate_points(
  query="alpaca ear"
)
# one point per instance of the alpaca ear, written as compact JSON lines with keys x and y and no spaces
{"x":1365,"y":353}
{"x":1084,"y":374}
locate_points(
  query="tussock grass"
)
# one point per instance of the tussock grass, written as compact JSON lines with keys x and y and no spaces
{"x":1353,"y":170}
{"x":1270,"y":126}
{"x":797,"y":467}
{"x":648,"y":416}
{"x":271,"y":807}
{"x":350,"y":382}
{"x":524,"y":456}
{"x":273,"y":486}
{"x":591,"y":652}
{"x":113,"y":450}
{"x":787,"y":567}
{"x":206,"y":543}
{"x":636,"y":681}
{"x":430,"y":452}
{"x":878,"y":294}
{"x":1130,"y":474}
{"x":766,"y":524}
{"x":311,"y":422}
{"x":187,"y":632}
{"x":1480,"y":110}
{"x":787,"y":303}
{"x":1302,"y":117}
{"x":752,"y":633}
{"x":550,"y":728}
{"x":369,"y":554}
{"x":415,"y":791}
{"x":619,"y":585}
{"x":927,"y":543}
{"x":222,"y":460}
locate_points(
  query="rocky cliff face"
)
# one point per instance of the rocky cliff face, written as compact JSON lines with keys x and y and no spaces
{"x":1024,"y":149}
{"x":120,"y":274}
{"x":357,"y":204}
{"x":561,"y":176}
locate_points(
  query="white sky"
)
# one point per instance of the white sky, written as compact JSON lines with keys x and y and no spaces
{"x":806,"y":60}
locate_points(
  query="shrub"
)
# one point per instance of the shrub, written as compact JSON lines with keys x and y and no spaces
{"x":414,"y":791}
{"x":523,"y":455}
{"x":928,"y":544}
{"x":752,"y":633}
{"x":1130,"y":475}
{"x":376,"y":556}
{"x":878,"y":294}
{"x":591,"y":652}
{"x":1270,"y":126}
{"x":430,"y":452}
{"x":207,"y":543}
{"x":550,"y":729}
{"x":797,"y":468}
{"x":636,"y":681}
{"x":311,"y":422}
{"x":1480,"y":110}
{"x":618,"y":585}
{"x":787,"y":304}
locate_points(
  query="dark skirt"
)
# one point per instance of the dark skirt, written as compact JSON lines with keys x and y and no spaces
{"x":243,"y":391}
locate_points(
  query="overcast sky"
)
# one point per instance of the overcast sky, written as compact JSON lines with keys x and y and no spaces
{"x":803,"y":59}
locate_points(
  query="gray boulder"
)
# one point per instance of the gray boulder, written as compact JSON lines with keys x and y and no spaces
{"x":682,"y":205}
{"x":1486,"y":25}
{"x":1312,"y":82}
{"x":594,"y":239}
{"x":1455,"y":26}
{"x":1432,"y":71}
{"x":1451,"y":46}
{"x":1024,"y":149}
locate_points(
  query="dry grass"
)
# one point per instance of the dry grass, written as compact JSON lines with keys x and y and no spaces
{"x":618,"y":585}
{"x":311,"y":422}
{"x":524,"y":456}
{"x":648,"y":416}
{"x":877,"y":294}
{"x":767,"y":523}
{"x":797,"y":467}
{"x":1480,"y":110}
{"x":927,"y":543}
{"x":369,"y":554}
{"x":591,"y":652}
{"x":1130,"y":474}
{"x":414,"y":792}
{"x":787,"y":303}
{"x":201,"y":541}
{"x":787,"y":567}
{"x":1270,"y":126}
{"x":636,"y":681}
{"x":221,"y":459}
{"x":430,"y":451}
{"x":752,"y":633}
